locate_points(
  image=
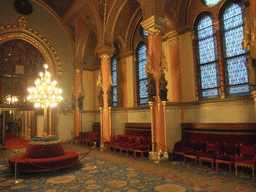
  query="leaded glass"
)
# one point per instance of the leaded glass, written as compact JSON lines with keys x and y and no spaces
{"x":142,"y":77}
{"x":211,"y":2}
{"x":114,"y":79}
{"x":236,"y":72}
{"x":209,"y":76}
{"x":207,"y":59}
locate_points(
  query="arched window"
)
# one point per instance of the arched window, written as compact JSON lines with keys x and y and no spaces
{"x":114,"y":78}
{"x":207,"y":58}
{"x":236,"y":73}
{"x":141,"y":54}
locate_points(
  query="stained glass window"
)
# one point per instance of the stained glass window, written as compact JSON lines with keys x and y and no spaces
{"x":207,"y":59}
{"x":141,"y":74}
{"x":236,"y":73}
{"x":114,"y":78}
{"x":211,"y":2}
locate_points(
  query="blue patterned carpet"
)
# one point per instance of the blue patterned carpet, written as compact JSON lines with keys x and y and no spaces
{"x":105,"y":171}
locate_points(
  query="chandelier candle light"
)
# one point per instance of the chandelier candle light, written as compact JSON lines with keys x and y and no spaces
{"x":45,"y":94}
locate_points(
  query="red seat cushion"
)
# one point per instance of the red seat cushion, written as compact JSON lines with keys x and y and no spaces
{"x":44,"y":151}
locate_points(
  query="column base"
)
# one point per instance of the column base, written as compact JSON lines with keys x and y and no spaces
{"x":102,"y":147}
{"x":158,"y":157}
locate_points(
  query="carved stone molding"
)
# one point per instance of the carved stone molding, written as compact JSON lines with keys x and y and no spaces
{"x":153,"y":31}
{"x":154,"y":25}
{"x":105,"y":52}
{"x":173,"y":37}
{"x":21,"y":31}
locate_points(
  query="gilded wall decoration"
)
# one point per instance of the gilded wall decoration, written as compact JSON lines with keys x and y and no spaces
{"x":21,"y":31}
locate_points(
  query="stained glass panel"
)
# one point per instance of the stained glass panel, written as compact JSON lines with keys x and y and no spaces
{"x":142,"y":77}
{"x":209,"y":76}
{"x":234,"y":56}
{"x":237,"y":71}
{"x":207,"y":59}
{"x":114,"y":79}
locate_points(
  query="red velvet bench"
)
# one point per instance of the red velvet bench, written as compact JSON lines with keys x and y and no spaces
{"x":44,"y":157}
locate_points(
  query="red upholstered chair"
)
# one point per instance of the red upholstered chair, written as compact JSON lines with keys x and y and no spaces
{"x":212,"y":150}
{"x":123,"y":144}
{"x":180,"y":148}
{"x":247,"y":158}
{"x":110,"y":144}
{"x":195,"y":149}
{"x":144,"y":147}
{"x":130,"y":144}
{"x":229,"y":153}
{"x":118,"y":142}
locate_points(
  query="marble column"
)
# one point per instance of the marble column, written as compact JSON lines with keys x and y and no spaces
{"x":154,"y":26}
{"x":105,"y":53}
{"x":175,"y":71}
{"x":77,"y":92}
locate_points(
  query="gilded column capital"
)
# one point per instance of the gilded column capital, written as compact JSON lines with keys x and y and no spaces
{"x":105,"y":52}
{"x":154,"y":25}
{"x":105,"y":56}
{"x":153,"y":31}
{"x":216,"y":25}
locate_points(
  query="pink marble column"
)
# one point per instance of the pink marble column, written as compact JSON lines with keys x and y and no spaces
{"x":77,"y":90}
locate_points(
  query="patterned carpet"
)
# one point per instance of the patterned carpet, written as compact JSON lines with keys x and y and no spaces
{"x":106,"y":171}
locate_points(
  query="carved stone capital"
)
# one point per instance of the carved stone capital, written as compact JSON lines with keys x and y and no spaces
{"x":173,"y":37}
{"x":105,"y":52}
{"x":216,"y":25}
{"x":154,"y":25}
{"x":105,"y":56}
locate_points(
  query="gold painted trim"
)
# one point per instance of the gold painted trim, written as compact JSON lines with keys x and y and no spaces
{"x":105,"y":56}
{"x":12,"y":32}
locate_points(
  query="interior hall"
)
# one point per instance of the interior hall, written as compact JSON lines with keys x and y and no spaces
{"x":151,"y":83}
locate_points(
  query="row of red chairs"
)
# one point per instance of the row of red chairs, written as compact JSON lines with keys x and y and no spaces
{"x":135,"y":144}
{"x":88,"y":138}
{"x":215,"y":153}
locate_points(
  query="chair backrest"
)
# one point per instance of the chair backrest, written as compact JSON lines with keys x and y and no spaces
{"x":124,"y":138}
{"x":130,"y":139}
{"x":112,"y":138}
{"x":144,"y":141}
{"x":246,"y":150}
{"x":212,"y":147}
{"x":118,"y":138}
{"x":137,"y":140}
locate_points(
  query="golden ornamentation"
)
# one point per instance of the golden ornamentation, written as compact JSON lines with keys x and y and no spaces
{"x":163,"y":62}
{"x":78,"y":70}
{"x":153,"y":31}
{"x":99,"y":81}
{"x":110,"y":81}
{"x":21,"y":31}
{"x":173,"y":40}
{"x":44,"y":142}
{"x":148,"y":66}
{"x":105,"y":56}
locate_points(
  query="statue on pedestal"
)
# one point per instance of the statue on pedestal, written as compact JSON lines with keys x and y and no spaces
{"x":100,"y":98}
{"x":151,"y":88}
{"x":162,"y":87}
{"x":110,"y":96}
